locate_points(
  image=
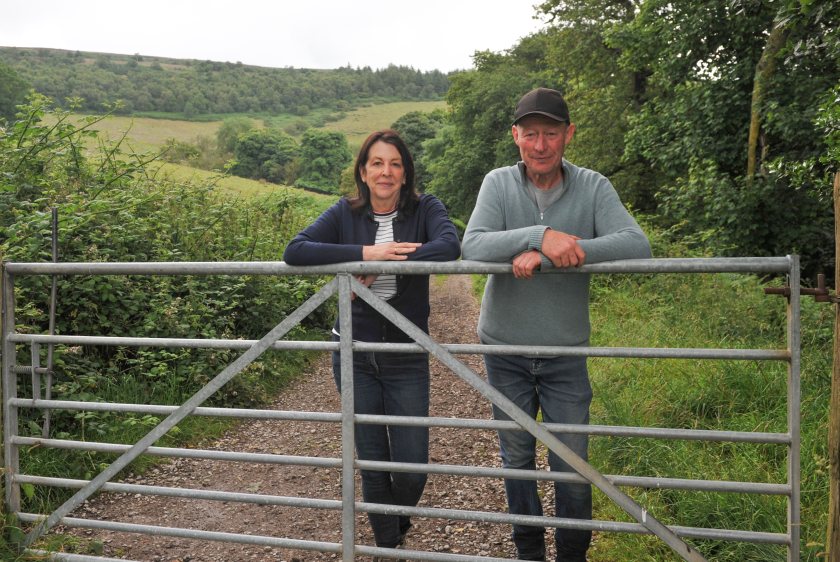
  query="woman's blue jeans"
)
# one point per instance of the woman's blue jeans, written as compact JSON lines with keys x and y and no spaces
{"x":559,"y":386}
{"x":394,"y":384}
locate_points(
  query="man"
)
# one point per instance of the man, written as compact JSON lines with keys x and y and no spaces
{"x":544,"y":213}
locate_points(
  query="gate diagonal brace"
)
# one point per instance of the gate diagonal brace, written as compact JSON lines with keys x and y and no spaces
{"x":249,"y":356}
{"x":683,"y":549}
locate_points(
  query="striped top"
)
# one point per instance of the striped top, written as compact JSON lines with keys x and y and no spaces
{"x":385,"y":286}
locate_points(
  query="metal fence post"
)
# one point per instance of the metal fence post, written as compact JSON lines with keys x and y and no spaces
{"x":10,"y":413}
{"x":794,"y":406}
{"x":45,"y":430}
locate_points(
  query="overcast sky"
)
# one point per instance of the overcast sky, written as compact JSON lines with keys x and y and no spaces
{"x":424,"y":34}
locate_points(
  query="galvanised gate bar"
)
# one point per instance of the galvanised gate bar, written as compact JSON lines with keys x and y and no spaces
{"x":344,"y":285}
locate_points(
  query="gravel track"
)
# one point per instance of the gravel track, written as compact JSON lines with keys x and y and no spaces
{"x":454,"y":317}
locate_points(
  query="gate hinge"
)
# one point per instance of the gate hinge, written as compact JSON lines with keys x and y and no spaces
{"x":820,"y":292}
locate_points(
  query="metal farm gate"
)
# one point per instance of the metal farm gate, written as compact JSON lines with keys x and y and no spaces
{"x":344,"y":284}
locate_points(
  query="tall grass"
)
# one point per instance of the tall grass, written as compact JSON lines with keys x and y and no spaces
{"x":706,"y":311}
{"x":717,"y":311}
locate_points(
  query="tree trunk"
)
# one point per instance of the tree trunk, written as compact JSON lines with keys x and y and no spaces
{"x":832,"y":541}
{"x":764,"y":71}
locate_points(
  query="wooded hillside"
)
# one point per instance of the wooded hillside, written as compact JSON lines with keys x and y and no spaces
{"x":192,"y":87}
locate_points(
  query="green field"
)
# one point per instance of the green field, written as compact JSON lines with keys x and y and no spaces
{"x":239,"y":187}
{"x":146,"y":133}
{"x":358,"y":124}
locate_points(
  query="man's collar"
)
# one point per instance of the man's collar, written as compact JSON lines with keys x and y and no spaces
{"x":523,"y":174}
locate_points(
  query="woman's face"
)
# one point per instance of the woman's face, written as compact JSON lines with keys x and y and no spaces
{"x":384,"y":175}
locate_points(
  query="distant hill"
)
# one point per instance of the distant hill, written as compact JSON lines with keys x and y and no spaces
{"x":194,"y":88}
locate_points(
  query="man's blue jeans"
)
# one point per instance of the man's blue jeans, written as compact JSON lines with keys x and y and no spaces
{"x":559,"y":386}
{"x":394,"y":384}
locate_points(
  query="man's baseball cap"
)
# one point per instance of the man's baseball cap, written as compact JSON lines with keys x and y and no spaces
{"x":542,"y":101}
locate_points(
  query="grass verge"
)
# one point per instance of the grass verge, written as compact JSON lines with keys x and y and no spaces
{"x":706,"y":311}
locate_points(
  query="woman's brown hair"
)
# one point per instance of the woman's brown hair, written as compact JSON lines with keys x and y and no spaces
{"x":408,"y":194}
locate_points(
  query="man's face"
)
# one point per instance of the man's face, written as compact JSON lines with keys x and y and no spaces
{"x":542,"y":142}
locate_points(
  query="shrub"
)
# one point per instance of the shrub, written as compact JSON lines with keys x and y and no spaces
{"x":113,"y":208}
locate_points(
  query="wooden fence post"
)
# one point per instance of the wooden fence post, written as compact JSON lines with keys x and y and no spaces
{"x":832,"y":542}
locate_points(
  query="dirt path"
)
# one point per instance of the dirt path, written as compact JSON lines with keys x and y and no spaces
{"x":454,"y":317}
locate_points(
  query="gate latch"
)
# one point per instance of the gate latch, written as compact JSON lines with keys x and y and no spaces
{"x":820,"y":292}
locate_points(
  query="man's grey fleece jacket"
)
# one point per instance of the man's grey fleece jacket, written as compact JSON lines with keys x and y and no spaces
{"x":548,"y":309}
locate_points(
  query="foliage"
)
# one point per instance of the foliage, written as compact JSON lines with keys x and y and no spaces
{"x":180,"y":151}
{"x":478,"y":136}
{"x":702,"y":61}
{"x":323,"y":156}
{"x":828,"y":121}
{"x":347,"y":182}
{"x":416,"y":127}
{"x":452,"y":159}
{"x":196,"y":88}
{"x":661,"y":94}
{"x":266,"y":154}
{"x":12,"y":92}
{"x":708,"y":209}
{"x":573,"y":58}
{"x":112,"y":207}
{"x":228,"y":133}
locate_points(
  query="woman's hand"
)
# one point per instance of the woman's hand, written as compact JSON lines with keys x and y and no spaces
{"x":389,"y":251}
{"x":366,"y":280}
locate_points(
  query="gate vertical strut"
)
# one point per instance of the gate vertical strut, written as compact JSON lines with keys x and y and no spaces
{"x":348,"y":408}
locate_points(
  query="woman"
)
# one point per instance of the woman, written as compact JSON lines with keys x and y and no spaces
{"x":386,"y":220}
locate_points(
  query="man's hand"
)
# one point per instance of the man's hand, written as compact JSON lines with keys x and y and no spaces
{"x":562,"y":249}
{"x":526,"y":263}
{"x":389,"y":251}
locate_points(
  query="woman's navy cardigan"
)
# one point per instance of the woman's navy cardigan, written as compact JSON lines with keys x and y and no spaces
{"x":338,"y":236}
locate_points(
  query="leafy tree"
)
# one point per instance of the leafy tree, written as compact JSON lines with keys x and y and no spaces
{"x":202,"y":87}
{"x":415,"y":128}
{"x":828,"y":121}
{"x":450,"y":157}
{"x":13,"y":90}
{"x":229,"y":131}
{"x":573,"y":57}
{"x":478,"y":136}
{"x":729,"y":119}
{"x":179,"y":151}
{"x":347,"y":183}
{"x":266,"y":154}
{"x":576,"y":57}
{"x":323,"y":156}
